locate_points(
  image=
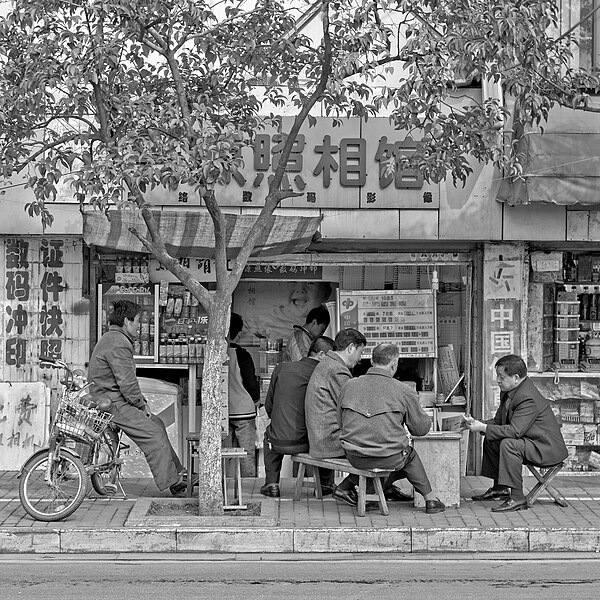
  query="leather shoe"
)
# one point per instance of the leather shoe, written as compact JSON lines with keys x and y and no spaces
{"x":179,"y":487}
{"x":350,"y":497}
{"x":510,"y":505}
{"x":326,"y":490}
{"x":492,"y":494}
{"x":434,"y":506}
{"x":393,"y":494}
{"x":270,"y":489}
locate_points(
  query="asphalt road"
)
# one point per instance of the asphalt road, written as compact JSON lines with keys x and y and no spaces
{"x":253,"y":577}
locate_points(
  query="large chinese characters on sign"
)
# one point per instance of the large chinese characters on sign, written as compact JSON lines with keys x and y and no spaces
{"x":43,"y":310}
{"x":503,"y":307}
{"x":341,"y":166}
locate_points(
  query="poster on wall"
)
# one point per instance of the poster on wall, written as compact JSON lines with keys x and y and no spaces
{"x":270,"y":309}
{"x":23,"y":421}
{"x":402,"y":317}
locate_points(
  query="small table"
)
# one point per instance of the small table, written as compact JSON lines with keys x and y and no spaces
{"x":439,"y":452}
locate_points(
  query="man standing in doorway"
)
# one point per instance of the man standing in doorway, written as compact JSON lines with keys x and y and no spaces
{"x":244,"y":394}
{"x":284,"y":404}
{"x":524,"y":429}
{"x":317,"y":321}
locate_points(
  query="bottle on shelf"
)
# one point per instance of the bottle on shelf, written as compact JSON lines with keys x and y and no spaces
{"x":584,"y":306}
{"x":596,"y":272}
{"x":171,"y":349}
{"x":162,"y":348}
{"x":593,"y":304}
{"x":569,"y":267}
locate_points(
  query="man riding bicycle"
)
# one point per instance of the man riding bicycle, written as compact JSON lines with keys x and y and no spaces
{"x":112,"y":371}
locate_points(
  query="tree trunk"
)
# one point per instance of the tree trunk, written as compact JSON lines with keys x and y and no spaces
{"x":210,"y":486}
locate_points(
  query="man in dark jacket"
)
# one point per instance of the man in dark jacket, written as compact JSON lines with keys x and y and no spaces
{"x":112,"y":371}
{"x":524,"y":429}
{"x":244,"y":394}
{"x":374,"y":410}
{"x":284,"y":404}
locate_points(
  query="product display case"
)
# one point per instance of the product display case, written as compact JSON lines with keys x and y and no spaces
{"x":144,"y":294}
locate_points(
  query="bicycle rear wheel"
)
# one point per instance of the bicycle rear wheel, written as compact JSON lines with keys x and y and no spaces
{"x":104,"y":455}
{"x":59,"y":496}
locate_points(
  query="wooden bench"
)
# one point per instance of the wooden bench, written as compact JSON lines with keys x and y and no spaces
{"x":341,"y":464}
{"x":544,"y":479}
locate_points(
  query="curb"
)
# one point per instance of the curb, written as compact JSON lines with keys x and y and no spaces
{"x":265,"y":540}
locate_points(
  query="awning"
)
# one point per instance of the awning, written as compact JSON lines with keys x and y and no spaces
{"x":190,"y":233}
{"x":561,"y":164}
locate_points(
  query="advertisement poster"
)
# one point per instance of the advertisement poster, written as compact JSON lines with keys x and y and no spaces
{"x":402,"y":317}
{"x":270,"y":309}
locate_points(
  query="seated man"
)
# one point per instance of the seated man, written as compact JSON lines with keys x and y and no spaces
{"x":112,"y":371}
{"x":284,"y":404}
{"x":375,"y":408}
{"x":524,"y":429}
{"x":317,"y":321}
{"x":322,"y":411}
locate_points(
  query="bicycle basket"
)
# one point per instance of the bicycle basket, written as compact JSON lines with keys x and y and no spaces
{"x":79,"y":422}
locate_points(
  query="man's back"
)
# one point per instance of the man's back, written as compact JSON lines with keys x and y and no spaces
{"x":374,"y":408}
{"x":321,"y":406}
{"x":285,"y":404}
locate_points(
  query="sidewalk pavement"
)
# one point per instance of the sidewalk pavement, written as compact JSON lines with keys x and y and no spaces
{"x":309,"y":525}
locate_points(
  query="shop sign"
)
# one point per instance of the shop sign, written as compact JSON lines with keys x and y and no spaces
{"x":292,"y":272}
{"x":201,"y":269}
{"x":503,"y":279}
{"x":36,"y":280}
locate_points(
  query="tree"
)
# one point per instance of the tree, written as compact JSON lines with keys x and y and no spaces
{"x":128,"y":95}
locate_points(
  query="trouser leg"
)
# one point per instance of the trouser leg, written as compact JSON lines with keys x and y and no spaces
{"x":510,"y":467}
{"x":414,"y":471}
{"x":150,"y":435}
{"x":491,"y":459}
{"x":273,"y":461}
{"x":244,"y":434}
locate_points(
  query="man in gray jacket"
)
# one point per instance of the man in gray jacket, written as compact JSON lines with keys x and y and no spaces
{"x":374,"y":410}
{"x":112,"y":371}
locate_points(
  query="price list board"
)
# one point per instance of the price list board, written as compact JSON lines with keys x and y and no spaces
{"x":403,"y":317}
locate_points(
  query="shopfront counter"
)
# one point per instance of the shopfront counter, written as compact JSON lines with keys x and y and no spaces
{"x":440,"y":453}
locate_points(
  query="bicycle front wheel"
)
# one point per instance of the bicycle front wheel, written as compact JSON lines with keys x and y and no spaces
{"x":52,"y":494}
{"x":105,"y":467}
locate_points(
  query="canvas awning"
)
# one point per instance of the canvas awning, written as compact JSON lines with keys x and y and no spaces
{"x":190,"y":234}
{"x":561,"y":164}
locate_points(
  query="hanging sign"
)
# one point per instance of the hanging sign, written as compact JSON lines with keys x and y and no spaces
{"x":402,"y":317}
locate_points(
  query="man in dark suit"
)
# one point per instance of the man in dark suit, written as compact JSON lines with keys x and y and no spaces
{"x":284,"y":404}
{"x":524,"y":429}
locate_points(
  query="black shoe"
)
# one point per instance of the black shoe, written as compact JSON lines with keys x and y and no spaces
{"x":179,"y":488}
{"x":393,"y":494}
{"x":510,"y":505}
{"x":326,"y":490}
{"x":350,"y":497}
{"x":271,"y":490}
{"x":492,"y":494}
{"x":434,"y":506}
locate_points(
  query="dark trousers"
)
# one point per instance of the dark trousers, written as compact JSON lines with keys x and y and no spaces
{"x":150,"y":434}
{"x":503,"y":461}
{"x":407,"y":465}
{"x":273,"y":458}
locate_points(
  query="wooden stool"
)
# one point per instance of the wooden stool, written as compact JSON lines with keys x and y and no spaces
{"x":341,"y":464}
{"x":544,"y":484}
{"x":227,"y":454}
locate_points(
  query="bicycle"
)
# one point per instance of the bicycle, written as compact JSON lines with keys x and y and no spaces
{"x":83,"y":446}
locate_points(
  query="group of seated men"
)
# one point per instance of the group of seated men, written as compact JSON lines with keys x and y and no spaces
{"x":316,"y":406}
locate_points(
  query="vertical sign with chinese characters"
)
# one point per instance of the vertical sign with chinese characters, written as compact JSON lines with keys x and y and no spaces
{"x":503,"y":285}
{"x":22,"y":422}
{"x":43,"y":311}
